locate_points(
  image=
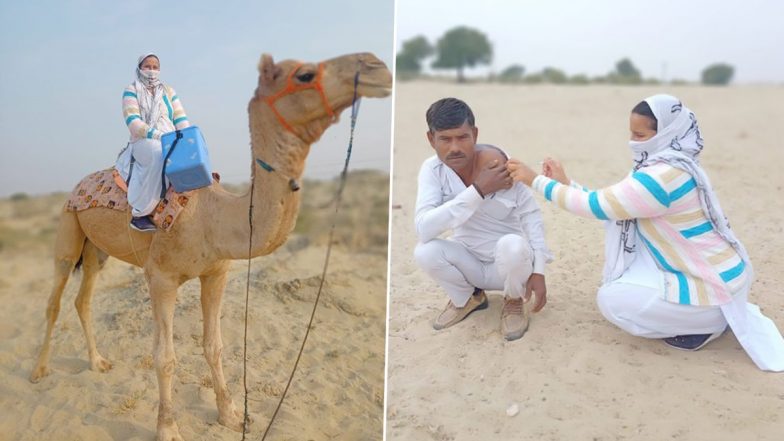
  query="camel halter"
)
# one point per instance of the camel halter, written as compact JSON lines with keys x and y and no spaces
{"x":338,"y":197}
{"x":292,"y":87}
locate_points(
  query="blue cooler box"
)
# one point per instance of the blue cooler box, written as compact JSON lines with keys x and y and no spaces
{"x":188,"y":167}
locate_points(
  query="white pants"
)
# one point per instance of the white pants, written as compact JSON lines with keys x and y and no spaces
{"x":144,"y":190}
{"x":458,"y":271}
{"x":635,"y":303}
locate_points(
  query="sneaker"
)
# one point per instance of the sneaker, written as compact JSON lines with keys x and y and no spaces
{"x":452,"y":314}
{"x":143,"y":224}
{"x":693,"y":342}
{"x":514,"y":318}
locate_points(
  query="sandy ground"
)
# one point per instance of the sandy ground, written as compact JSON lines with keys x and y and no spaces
{"x":575,"y":376}
{"x":338,"y":392}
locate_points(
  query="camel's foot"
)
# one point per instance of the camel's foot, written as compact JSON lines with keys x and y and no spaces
{"x":168,"y":433}
{"x":100,"y":364}
{"x":39,"y":372}
{"x":233,"y":419}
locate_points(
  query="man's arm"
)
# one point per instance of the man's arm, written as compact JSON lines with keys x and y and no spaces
{"x":433,"y":216}
{"x":533,"y":226}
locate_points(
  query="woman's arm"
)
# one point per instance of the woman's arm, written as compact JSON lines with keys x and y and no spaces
{"x":179,"y":118}
{"x":133,"y":118}
{"x":640,"y":195}
{"x":553,"y":169}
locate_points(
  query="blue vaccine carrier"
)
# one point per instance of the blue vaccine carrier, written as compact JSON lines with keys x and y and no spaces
{"x":188,"y":165}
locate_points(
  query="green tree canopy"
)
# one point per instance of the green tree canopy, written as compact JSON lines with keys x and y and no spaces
{"x":553,"y":75}
{"x":512,"y":74}
{"x":410,"y":57}
{"x":718,"y":74}
{"x":625,"y":73}
{"x":462,"y":47}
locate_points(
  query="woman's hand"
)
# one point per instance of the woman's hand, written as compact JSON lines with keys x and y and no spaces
{"x":553,"y":169}
{"x":520,"y":172}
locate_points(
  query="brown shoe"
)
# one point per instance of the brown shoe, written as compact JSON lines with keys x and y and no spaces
{"x":514,"y":318}
{"x":452,"y":314}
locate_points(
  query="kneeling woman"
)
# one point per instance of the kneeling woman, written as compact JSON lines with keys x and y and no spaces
{"x":674,"y":268}
{"x":150,"y":109}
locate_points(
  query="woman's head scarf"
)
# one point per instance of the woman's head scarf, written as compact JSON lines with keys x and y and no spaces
{"x":678,"y":142}
{"x":149,"y":92}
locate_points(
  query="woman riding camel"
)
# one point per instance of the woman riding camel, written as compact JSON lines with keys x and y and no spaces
{"x":674,"y":269}
{"x":150,"y":108}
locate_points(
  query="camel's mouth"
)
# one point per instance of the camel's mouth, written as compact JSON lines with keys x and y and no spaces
{"x":374,"y":89}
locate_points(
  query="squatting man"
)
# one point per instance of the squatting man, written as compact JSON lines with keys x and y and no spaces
{"x":497,"y":238}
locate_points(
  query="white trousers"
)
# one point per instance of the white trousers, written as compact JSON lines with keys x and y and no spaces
{"x":458,"y":271}
{"x":635,"y":303}
{"x":144,"y":190}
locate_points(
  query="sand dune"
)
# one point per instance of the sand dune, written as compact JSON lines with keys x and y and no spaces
{"x":338,"y":392}
{"x":574,"y":376}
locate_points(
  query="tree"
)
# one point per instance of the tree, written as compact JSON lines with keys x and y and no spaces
{"x":718,"y":74}
{"x":579,"y":79}
{"x":409,"y":59}
{"x":625,"y":73}
{"x":553,"y":75}
{"x":512,"y":74}
{"x":462,"y":47}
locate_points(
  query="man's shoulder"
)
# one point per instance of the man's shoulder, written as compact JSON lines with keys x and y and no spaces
{"x":432,"y":162}
{"x":488,"y":153}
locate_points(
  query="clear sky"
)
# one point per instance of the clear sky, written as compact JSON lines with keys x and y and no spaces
{"x":66,"y":63}
{"x":671,"y":38}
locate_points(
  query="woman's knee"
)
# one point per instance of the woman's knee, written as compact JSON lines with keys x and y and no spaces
{"x":610,"y":302}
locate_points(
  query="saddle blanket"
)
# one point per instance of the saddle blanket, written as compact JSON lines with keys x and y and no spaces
{"x":106,"y":189}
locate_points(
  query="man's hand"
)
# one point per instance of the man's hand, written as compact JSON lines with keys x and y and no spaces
{"x":520,"y":172}
{"x":553,"y":169}
{"x":492,"y":178}
{"x":536,"y":285}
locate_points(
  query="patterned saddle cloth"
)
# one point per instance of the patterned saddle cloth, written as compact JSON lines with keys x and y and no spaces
{"x":106,"y":189}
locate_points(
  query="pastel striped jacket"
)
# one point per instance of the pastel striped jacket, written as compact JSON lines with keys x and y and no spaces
{"x":699,"y":266}
{"x":173,"y":115}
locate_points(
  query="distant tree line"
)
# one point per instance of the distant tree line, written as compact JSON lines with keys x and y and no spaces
{"x":463,"y":47}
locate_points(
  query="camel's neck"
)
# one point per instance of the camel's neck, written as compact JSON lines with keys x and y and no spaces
{"x":275,"y":205}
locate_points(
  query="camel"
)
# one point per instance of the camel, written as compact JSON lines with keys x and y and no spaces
{"x":291,"y":108}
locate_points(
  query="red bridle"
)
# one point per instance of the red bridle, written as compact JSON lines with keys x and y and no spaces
{"x":291,"y":87}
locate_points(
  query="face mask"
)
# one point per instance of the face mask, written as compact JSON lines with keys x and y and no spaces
{"x":150,"y":74}
{"x":637,"y":145}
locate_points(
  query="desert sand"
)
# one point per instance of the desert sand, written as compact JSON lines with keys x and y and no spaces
{"x":338,"y":391}
{"x":574,"y":376}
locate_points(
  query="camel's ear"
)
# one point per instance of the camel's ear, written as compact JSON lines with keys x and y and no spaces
{"x":269,"y":72}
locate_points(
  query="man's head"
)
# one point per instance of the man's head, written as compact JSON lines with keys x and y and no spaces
{"x":451,"y":132}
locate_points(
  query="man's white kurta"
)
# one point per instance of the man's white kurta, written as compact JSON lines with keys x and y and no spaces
{"x":496,"y":242}
{"x":445,"y":203}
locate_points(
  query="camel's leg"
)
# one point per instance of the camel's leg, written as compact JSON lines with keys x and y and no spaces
{"x":212,"y":287}
{"x":92,"y":262}
{"x":68,"y":248}
{"x":163,"y":294}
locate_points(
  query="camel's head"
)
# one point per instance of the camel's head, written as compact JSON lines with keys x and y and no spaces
{"x":306,"y":98}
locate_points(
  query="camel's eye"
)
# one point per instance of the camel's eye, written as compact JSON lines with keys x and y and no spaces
{"x":306,"y":77}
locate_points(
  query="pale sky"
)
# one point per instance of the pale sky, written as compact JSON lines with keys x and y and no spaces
{"x":674,"y":38}
{"x":66,"y":63}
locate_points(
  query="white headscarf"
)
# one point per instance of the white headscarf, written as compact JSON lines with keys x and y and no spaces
{"x":150,"y":102}
{"x":677,"y":142}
